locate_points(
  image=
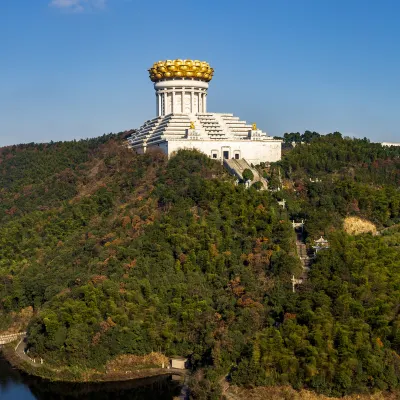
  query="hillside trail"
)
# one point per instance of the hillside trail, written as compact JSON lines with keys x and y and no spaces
{"x":20,"y":351}
{"x":237,"y":167}
{"x":225,"y":386}
{"x":389,"y":227}
{"x":303,"y":254}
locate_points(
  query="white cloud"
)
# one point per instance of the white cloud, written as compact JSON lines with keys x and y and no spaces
{"x":78,"y":5}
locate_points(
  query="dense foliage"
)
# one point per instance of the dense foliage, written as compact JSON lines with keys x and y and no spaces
{"x":126,"y":254}
{"x":334,"y":177}
{"x":340,"y":335}
{"x":144,"y":255}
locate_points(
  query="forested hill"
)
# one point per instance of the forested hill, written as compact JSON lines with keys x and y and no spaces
{"x":122,"y":253}
{"x":332,"y":177}
{"x":35,"y":176}
{"x":104,"y":252}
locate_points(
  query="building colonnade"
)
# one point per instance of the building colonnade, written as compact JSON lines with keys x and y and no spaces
{"x":181,"y":97}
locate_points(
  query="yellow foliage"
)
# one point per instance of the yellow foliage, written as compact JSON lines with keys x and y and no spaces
{"x":127,"y":362}
{"x":115,"y":242}
{"x":126,"y":221}
{"x":286,"y":392}
{"x":20,"y":321}
{"x":357,"y":226}
{"x":213,"y":250}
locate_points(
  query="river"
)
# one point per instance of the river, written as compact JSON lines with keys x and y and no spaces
{"x":15,"y":385}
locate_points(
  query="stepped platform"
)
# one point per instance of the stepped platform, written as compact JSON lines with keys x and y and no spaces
{"x":218,"y":135}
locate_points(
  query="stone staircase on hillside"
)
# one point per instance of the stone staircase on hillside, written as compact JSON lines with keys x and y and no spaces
{"x":236,"y":167}
{"x":304,"y":258}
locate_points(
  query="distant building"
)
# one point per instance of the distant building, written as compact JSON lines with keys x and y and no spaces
{"x":390,"y":144}
{"x":179,"y":363}
{"x":183,"y":122}
{"x":320,"y":244}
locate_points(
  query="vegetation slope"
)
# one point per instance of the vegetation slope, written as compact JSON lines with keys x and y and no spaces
{"x":119,"y":253}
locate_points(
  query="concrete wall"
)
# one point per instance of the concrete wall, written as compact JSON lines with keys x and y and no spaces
{"x":252,"y":151}
{"x":4,"y":339}
{"x":178,"y":363}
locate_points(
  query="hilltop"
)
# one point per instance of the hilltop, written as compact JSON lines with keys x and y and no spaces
{"x":104,"y":252}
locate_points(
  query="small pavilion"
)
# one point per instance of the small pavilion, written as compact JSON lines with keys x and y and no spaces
{"x":320,"y":244}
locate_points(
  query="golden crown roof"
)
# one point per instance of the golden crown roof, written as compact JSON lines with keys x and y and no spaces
{"x":169,"y":69}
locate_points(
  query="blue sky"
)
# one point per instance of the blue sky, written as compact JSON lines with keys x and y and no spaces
{"x":78,"y":68}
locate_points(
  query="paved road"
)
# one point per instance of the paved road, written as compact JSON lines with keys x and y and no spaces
{"x":19,"y":350}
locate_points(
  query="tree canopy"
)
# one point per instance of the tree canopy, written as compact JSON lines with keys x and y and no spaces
{"x":119,"y":253}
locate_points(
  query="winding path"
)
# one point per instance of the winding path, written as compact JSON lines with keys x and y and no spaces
{"x":20,"y":352}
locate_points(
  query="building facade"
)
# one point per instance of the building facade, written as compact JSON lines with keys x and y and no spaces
{"x":390,"y":144}
{"x":182,"y":120}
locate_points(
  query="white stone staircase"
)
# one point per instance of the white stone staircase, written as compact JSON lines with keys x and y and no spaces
{"x":144,"y":132}
{"x":240,"y":129}
{"x":173,"y":126}
{"x":236,"y":167}
{"x":209,"y":126}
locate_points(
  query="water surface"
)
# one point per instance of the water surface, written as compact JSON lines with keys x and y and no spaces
{"x":18,"y":386}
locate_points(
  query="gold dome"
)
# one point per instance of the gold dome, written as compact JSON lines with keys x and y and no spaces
{"x":169,"y":69}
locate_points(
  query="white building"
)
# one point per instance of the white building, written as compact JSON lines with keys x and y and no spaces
{"x":183,"y":121}
{"x":179,"y":363}
{"x":390,"y":144}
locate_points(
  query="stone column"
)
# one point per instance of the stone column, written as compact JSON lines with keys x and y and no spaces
{"x":182,"y":99}
{"x":196,"y":98}
{"x":177,"y":89}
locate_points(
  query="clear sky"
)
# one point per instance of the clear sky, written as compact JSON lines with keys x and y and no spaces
{"x":78,"y":68}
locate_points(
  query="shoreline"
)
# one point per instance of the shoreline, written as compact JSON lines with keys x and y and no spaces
{"x":71,"y":375}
